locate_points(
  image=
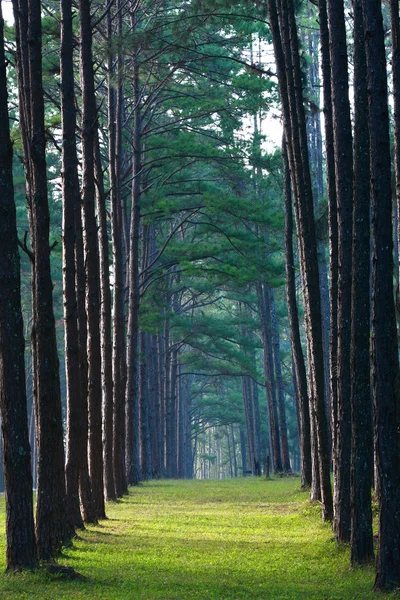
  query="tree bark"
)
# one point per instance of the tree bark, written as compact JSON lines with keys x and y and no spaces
{"x":297,"y":350}
{"x":132,"y":401}
{"x":71,"y":203}
{"x":290,"y":85}
{"x":21,"y":550}
{"x":342,"y":138}
{"x":279,"y":385}
{"x":115,"y":98}
{"x":384,"y":335}
{"x":361,"y":406}
{"x":89,"y":117}
{"x":105,"y":328}
{"x":54,"y":526}
{"x":265,"y":312}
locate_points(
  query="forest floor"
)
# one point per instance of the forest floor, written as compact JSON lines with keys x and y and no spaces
{"x":237,"y":539}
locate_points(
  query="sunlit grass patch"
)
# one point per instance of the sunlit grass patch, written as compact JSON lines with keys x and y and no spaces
{"x":227,"y":540}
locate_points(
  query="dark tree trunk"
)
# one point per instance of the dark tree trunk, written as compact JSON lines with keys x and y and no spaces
{"x":145,"y":441}
{"x":167,"y":400}
{"x":53,"y":523}
{"x":256,"y":428}
{"x":290,"y":85}
{"x":132,"y":402}
{"x":265,"y":312}
{"x":161,"y":388}
{"x":361,"y":405}
{"x":173,"y":414}
{"x":384,"y":335}
{"x":243,"y":451}
{"x":89,"y":117}
{"x":248,"y":411}
{"x":118,"y":313}
{"x":332,"y":203}
{"x":297,"y":350}
{"x":395,"y":33}
{"x":235,"y":466}
{"x":85,"y":490}
{"x":316,"y":156}
{"x":154,"y":393}
{"x":342,"y":138}
{"x":105,"y":329}
{"x":71,"y":203}
{"x":279,"y":385}
{"x":20,"y":532}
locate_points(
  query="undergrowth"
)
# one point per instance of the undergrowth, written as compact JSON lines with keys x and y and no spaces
{"x":243,"y":539}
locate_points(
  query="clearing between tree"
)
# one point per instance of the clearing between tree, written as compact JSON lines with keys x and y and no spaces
{"x":217,"y":539}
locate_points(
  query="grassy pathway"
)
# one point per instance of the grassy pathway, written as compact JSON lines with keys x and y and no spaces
{"x":228,"y":540}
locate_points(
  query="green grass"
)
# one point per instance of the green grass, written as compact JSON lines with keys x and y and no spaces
{"x":227,"y":540}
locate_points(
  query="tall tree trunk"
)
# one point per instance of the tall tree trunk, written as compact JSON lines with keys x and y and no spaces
{"x":85,"y":489}
{"x":290,"y":85}
{"x":89,"y":117}
{"x":53,"y":523}
{"x":132,"y":401}
{"x":145,"y":440}
{"x":20,"y":532}
{"x":155,"y":416}
{"x":248,"y":410}
{"x":384,"y":335}
{"x":279,"y":385}
{"x":316,"y":154}
{"x":297,"y":350}
{"x":265,"y":312}
{"x":332,"y":202}
{"x":361,"y":405}
{"x":71,"y":203}
{"x":105,"y":328}
{"x":118,"y":317}
{"x":395,"y":34}
{"x":342,"y":138}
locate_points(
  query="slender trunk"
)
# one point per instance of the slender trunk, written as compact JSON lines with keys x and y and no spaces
{"x":395,"y":34}
{"x":105,"y":328}
{"x":145,"y":441}
{"x":384,"y":335}
{"x":71,"y":202}
{"x":290,"y":84}
{"x":243,"y":451}
{"x":297,"y":350}
{"x":332,"y":202}
{"x":235,"y":466}
{"x":89,"y":116}
{"x":361,"y":405}
{"x":280,"y":392}
{"x":161,"y":388}
{"x":20,"y":533}
{"x":248,"y":410}
{"x":118,"y":316}
{"x":53,"y":523}
{"x":265,"y":311}
{"x":85,"y":489}
{"x":173,"y":404}
{"x":132,"y":402}
{"x":342,"y":138}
